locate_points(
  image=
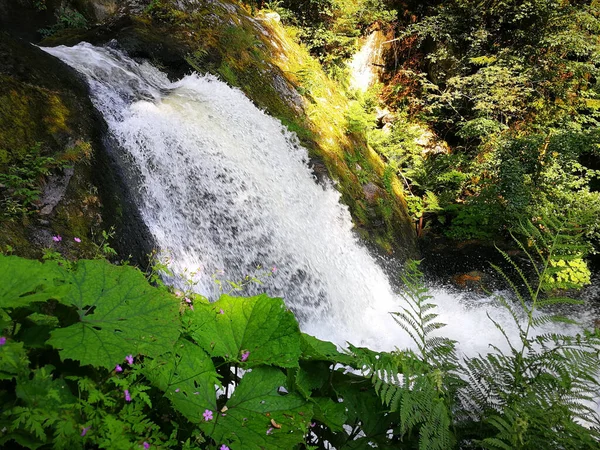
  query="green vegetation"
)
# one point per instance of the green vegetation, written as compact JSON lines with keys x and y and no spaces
{"x":93,"y":356}
{"x":513,"y":87}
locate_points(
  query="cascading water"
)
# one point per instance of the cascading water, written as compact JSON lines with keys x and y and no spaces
{"x":224,"y":187}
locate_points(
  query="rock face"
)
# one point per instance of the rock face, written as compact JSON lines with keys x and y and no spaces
{"x":46,"y":115}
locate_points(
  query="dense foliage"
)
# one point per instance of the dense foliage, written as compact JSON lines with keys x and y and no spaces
{"x":94,"y":356}
{"x":513,"y":87}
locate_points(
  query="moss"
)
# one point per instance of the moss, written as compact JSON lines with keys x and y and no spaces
{"x":44,"y":105}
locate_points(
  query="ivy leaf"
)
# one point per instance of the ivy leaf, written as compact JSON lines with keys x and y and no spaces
{"x":188,"y":377}
{"x":254,"y":407}
{"x":260,"y":325}
{"x":23,"y":281}
{"x":119,"y":313}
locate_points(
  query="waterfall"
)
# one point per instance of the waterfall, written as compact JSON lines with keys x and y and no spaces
{"x":365,"y":65}
{"x":224,"y":188}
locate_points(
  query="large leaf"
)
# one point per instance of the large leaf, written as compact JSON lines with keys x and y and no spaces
{"x":254,"y":408}
{"x":187,"y":376}
{"x":260,"y":325}
{"x":13,"y":360}
{"x":330,"y":413}
{"x":120,"y":314}
{"x":316,"y":349}
{"x":362,"y":405}
{"x":309,"y":376}
{"x":23,"y":281}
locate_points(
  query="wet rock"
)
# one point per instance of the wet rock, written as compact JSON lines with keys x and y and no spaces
{"x":473,"y":280}
{"x":55,"y":190}
{"x":372,"y":192}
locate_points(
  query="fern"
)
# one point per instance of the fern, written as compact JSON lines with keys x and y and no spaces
{"x":539,"y":391}
{"x":419,"y":387}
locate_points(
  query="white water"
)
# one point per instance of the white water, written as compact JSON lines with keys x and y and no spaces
{"x":224,"y":187}
{"x":364,"y":65}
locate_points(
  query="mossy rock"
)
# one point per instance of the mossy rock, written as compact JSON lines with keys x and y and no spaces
{"x":45,"y":111}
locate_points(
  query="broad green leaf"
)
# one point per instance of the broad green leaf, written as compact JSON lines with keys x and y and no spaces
{"x":119,"y":313}
{"x":362,"y":404}
{"x":311,"y":375}
{"x":315,"y":349}
{"x":330,"y":413}
{"x":187,"y":376}
{"x":23,"y":281}
{"x":256,"y":402}
{"x":13,"y":360}
{"x":260,"y":325}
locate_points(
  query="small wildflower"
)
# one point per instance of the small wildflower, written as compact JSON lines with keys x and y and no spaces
{"x":223,"y":447}
{"x":76,"y":239}
{"x":208,"y":415}
{"x":2,"y":340}
{"x":127,"y":396}
{"x":221,"y":311}
{"x":245,"y":356}
{"x":85,"y":430}
{"x":57,"y":238}
{"x":178,"y":294}
{"x":146,"y":445}
{"x":192,"y":307}
{"x":118,"y":368}
{"x":270,"y":430}
{"x":129,"y":359}
{"x":196,"y":393}
{"x":187,"y":300}
{"x":177,"y":390}
{"x":274,"y":269}
{"x":312,"y":425}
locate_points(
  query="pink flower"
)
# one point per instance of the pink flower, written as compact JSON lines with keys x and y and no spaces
{"x":270,"y":430}
{"x":76,"y":239}
{"x":177,"y":390}
{"x":187,"y":300}
{"x":129,"y":359}
{"x":127,"y":396}
{"x":312,"y":425}
{"x":192,"y":307}
{"x":2,"y":340}
{"x":57,"y":238}
{"x":146,"y":445}
{"x":274,"y":269}
{"x":85,"y":430}
{"x":245,"y":356}
{"x":208,"y":415}
{"x":118,"y":368}
{"x":223,"y":447}
{"x":178,"y":294}
{"x":221,"y":311}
